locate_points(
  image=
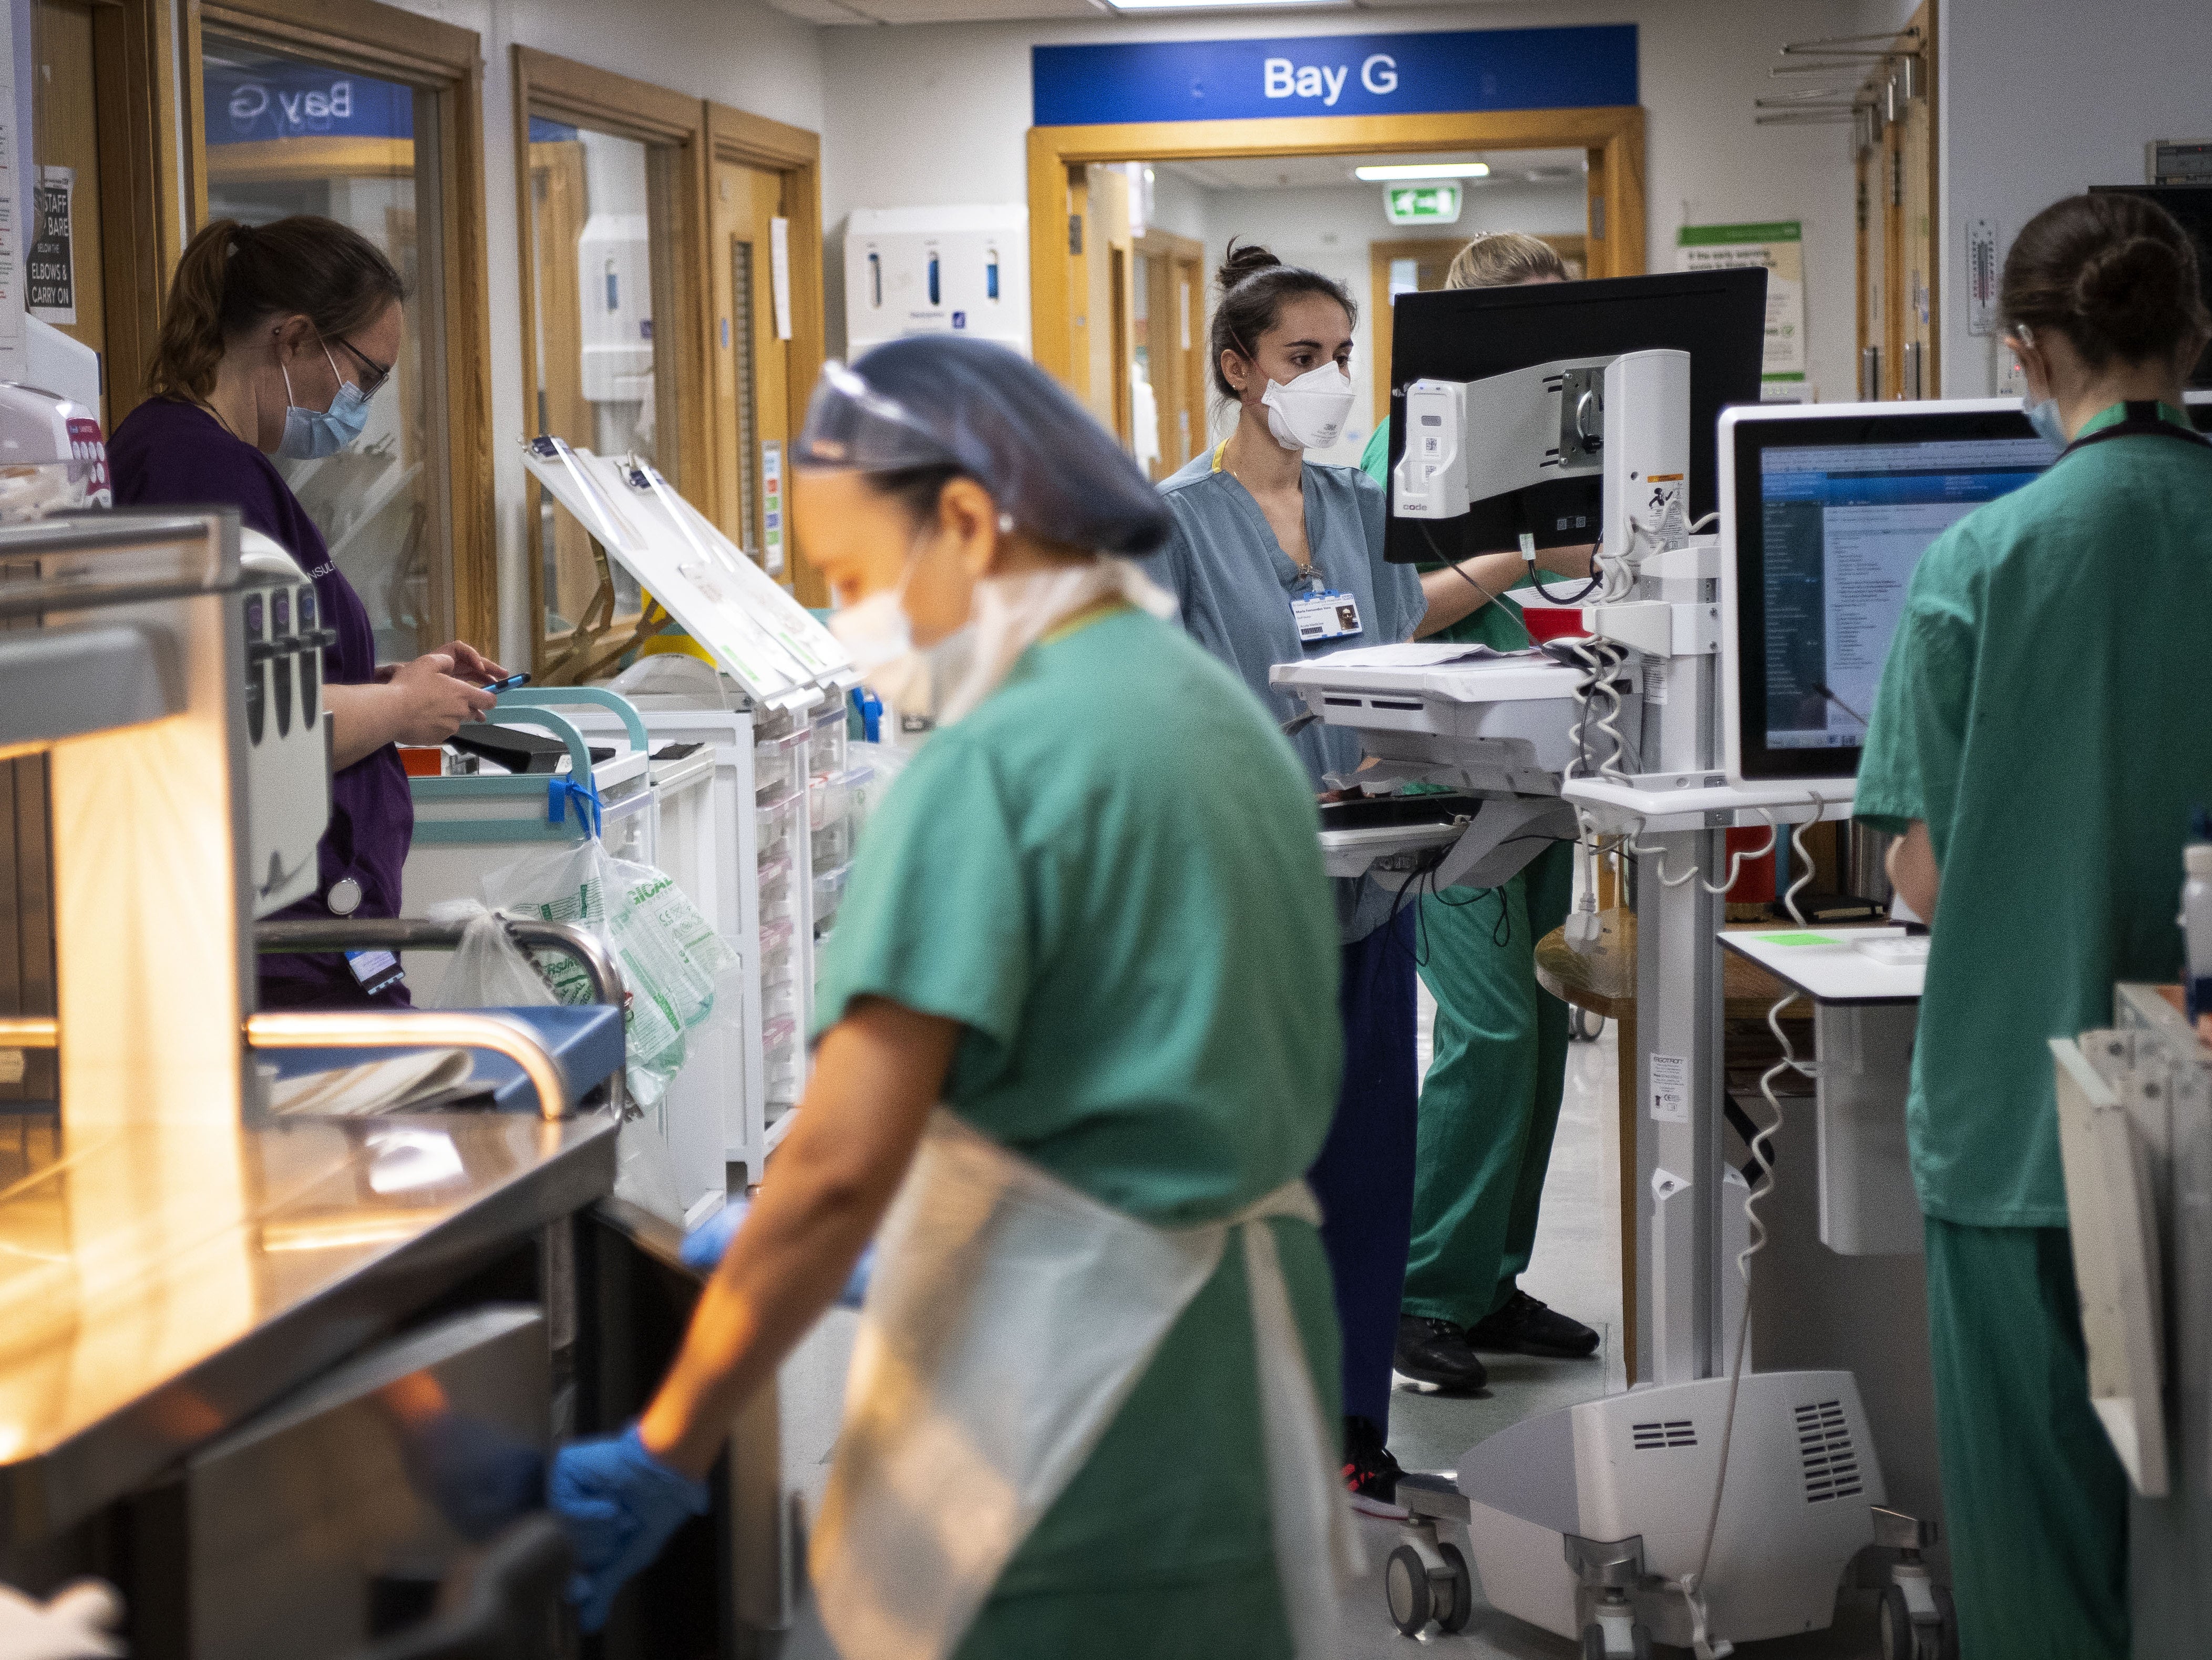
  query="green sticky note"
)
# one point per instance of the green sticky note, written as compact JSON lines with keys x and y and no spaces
{"x":1802,"y":939}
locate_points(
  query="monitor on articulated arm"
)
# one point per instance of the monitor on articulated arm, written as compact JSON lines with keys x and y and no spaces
{"x":1557,"y":338}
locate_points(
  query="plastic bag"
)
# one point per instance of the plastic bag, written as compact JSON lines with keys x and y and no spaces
{"x":489,"y":970}
{"x":670,"y":956}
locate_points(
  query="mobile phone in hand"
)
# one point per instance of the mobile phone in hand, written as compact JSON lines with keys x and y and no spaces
{"x":508,"y":684}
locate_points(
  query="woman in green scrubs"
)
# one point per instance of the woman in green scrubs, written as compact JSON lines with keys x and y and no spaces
{"x":2038,"y":743}
{"x":1070,"y":1005}
{"x":1497,"y":1069}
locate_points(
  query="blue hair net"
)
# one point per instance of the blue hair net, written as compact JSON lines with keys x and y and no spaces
{"x":939,"y":400}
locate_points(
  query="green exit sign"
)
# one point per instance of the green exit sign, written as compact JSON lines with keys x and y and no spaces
{"x":1422,"y":205}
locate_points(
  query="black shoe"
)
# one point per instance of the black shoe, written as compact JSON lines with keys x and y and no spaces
{"x":1525,"y":1326}
{"x":1433,"y":1357}
{"x":1370,"y":1472}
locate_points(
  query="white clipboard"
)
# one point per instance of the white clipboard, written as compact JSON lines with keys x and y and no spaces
{"x":752,"y":627}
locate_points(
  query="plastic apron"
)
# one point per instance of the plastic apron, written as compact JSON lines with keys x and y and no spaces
{"x":1009,"y":1318}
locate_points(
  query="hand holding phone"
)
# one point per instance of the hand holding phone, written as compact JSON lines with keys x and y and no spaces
{"x":509,"y":683}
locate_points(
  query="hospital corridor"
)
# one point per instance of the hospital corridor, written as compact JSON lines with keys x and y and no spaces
{"x":1105,"y":830}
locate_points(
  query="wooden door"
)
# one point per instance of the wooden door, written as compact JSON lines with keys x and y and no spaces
{"x":1172,"y":345}
{"x":753,"y":361}
{"x":1408,"y":264}
{"x":1194,"y":378}
{"x":66,"y":135}
{"x":1900,"y":312}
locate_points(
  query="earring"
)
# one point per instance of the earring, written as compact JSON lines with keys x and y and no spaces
{"x":1006,"y":524}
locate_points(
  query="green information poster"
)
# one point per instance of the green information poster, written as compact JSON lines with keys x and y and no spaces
{"x":1778,"y":246}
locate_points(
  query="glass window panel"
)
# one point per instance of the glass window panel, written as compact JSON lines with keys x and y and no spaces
{"x":287,"y":134}
{"x":603,"y":373}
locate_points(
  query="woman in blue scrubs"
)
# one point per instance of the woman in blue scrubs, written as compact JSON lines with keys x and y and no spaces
{"x":1273,"y":558}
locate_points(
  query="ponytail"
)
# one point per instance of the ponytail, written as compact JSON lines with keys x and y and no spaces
{"x":233,"y":276}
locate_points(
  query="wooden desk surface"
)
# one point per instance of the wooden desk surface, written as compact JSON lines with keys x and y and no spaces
{"x":1603,"y":981}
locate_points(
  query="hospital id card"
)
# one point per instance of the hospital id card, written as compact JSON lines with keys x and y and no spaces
{"x":1324,"y":614}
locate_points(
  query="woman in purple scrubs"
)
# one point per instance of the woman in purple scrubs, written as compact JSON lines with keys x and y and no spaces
{"x":274,"y":340}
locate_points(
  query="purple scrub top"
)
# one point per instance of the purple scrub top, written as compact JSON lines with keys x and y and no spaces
{"x":170,"y":455}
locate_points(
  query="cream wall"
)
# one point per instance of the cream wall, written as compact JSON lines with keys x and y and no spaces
{"x":936,"y":115}
{"x":2041,"y":100}
{"x":736,"y":52}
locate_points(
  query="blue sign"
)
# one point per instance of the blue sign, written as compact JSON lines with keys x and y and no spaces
{"x":273,"y":99}
{"x":1334,"y":74}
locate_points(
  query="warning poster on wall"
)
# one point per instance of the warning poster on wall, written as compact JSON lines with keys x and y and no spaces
{"x":51,"y":289}
{"x":1779,"y":246}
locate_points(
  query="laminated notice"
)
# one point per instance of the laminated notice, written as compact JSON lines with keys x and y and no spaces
{"x":1670,"y":1088}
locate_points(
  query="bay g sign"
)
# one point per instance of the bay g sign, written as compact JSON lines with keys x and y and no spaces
{"x":1412,"y":73}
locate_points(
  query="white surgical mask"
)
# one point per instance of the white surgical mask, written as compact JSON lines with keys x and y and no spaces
{"x":913,"y":680}
{"x":1310,"y":413}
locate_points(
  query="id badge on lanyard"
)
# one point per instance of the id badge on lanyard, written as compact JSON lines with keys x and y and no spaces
{"x":1323,"y":614}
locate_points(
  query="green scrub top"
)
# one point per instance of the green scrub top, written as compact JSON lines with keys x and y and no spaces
{"x":1110,"y":875}
{"x":1492,"y":624}
{"x":2041,"y":710}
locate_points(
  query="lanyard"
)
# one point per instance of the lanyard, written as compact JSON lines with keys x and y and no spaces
{"x":2138,"y":420}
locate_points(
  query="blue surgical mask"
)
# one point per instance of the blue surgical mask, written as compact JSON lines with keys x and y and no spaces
{"x":310,"y":434}
{"x":2044,"y":418}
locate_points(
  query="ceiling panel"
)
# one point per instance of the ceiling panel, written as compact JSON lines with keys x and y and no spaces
{"x":857,"y":12}
{"x":1508,"y":168}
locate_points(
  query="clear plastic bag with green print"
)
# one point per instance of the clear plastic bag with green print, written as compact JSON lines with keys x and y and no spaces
{"x":674,"y":965}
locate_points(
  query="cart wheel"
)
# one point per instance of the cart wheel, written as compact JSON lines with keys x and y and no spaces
{"x":1593,"y":1641}
{"x":1459,"y":1591}
{"x":1640,"y":1637}
{"x":1898,"y":1640}
{"x":1944,"y":1644}
{"x":1405,"y":1582}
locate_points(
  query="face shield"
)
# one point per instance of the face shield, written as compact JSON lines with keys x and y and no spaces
{"x":851,"y":424}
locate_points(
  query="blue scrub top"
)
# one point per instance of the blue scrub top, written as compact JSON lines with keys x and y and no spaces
{"x":1235,"y":585}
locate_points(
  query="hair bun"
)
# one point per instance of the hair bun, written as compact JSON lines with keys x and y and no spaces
{"x":2132,"y":293}
{"x":1239,"y":263}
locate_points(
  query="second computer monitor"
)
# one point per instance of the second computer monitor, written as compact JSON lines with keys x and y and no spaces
{"x":1825,"y":512}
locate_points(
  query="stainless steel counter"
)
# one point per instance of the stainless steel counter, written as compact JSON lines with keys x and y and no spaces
{"x":160,"y":1285}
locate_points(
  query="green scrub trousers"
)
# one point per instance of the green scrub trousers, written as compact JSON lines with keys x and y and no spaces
{"x":2035,"y":1502}
{"x":1490,"y":1101}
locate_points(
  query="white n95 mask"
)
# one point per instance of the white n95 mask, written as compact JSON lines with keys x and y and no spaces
{"x":1310,"y":413}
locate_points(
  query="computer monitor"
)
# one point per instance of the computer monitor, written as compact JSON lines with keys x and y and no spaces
{"x":1826,"y":510}
{"x":1719,"y":318}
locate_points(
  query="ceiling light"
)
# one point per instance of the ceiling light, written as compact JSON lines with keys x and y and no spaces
{"x":1215,"y":5}
{"x":1425,"y":170}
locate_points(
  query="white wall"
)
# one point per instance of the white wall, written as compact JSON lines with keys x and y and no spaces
{"x":738,"y":52}
{"x":964,"y":91}
{"x":2039,"y":99}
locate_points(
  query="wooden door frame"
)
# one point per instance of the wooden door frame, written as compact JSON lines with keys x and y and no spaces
{"x":1614,"y":136}
{"x":748,"y":140}
{"x":446,"y":62}
{"x":145,"y":169}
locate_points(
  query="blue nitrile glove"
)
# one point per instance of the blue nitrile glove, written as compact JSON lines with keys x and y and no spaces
{"x":619,"y":1504}
{"x":704,"y":1245}
{"x":480,"y":1475}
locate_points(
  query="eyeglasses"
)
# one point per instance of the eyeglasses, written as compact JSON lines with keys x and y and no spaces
{"x":378,"y":373}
